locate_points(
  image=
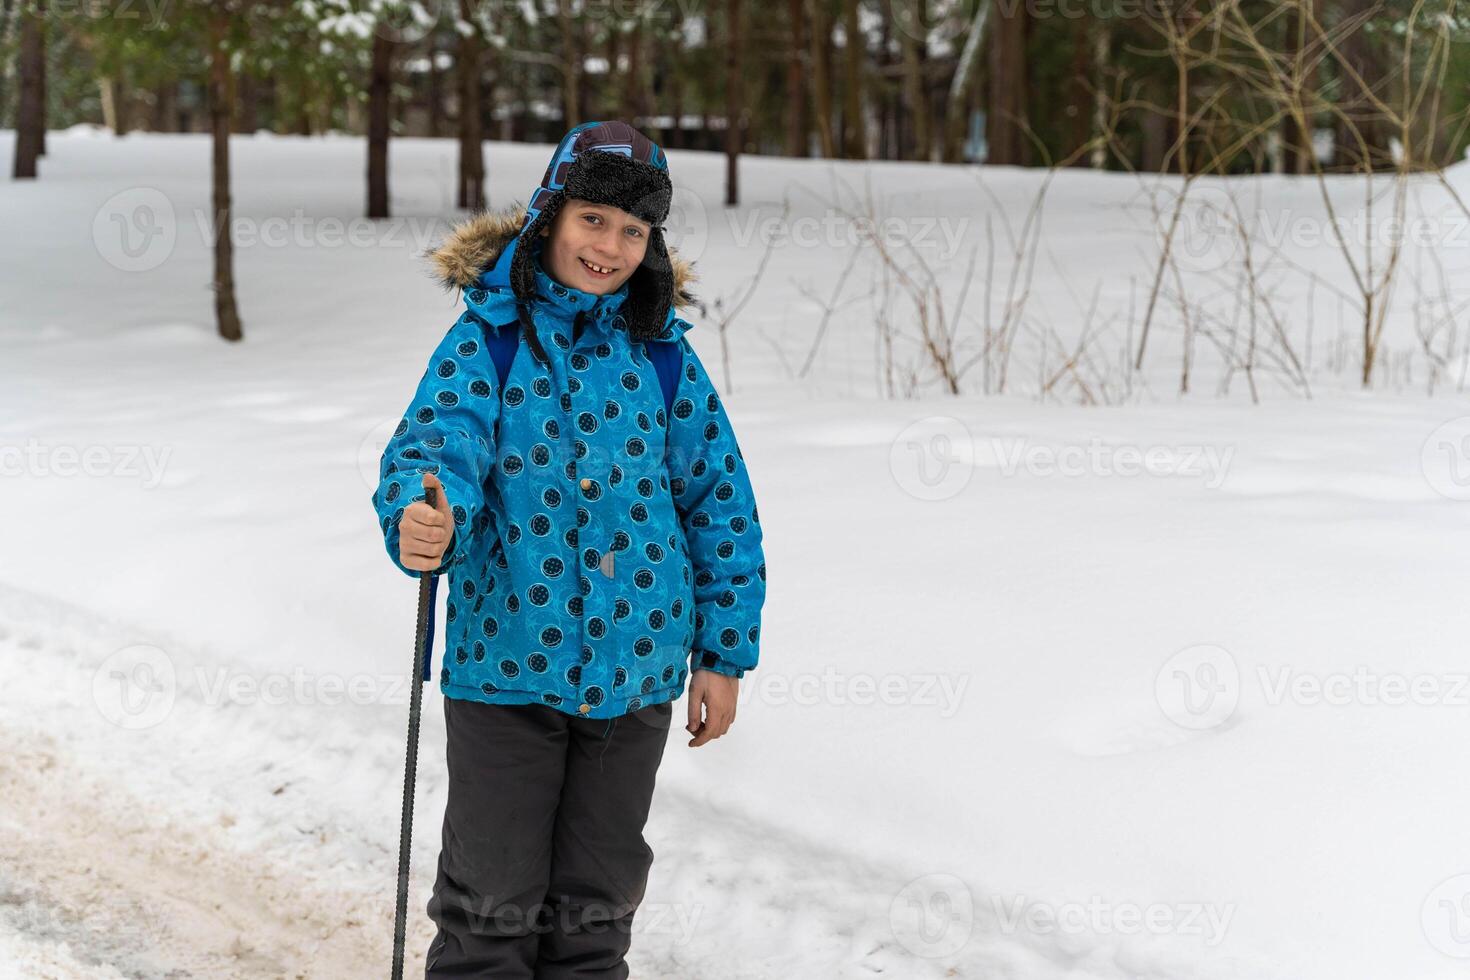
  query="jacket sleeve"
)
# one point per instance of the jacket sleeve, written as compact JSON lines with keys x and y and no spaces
{"x":716,"y":505}
{"x":448,"y":430}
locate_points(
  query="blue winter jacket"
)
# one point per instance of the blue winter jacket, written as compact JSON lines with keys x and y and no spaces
{"x":601,"y":546}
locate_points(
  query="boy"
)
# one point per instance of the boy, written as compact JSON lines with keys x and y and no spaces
{"x":600,"y":537}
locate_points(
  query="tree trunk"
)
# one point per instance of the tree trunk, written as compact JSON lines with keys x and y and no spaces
{"x":956,"y":116}
{"x":796,"y":142}
{"x":608,"y":96}
{"x":164,"y":117}
{"x":30,"y":113}
{"x":633,"y":80}
{"x":854,"y":131}
{"x":1005,"y":119}
{"x":221,"y":106}
{"x":889,"y":120}
{"x":1362,"y":136}
{"x":915,"y":90}
{"x":1296,"y":143}
{"x":247,"y":104}
{"x":675,"y":135}
{"x":822,"y":75}
{"x":107,"y":97}
{"x":734,"y":103}
{"x":41,"y":74}
{"x":1079,"y":89}
{"x":1102,"y":46}
{"x":380,"y":92}
{"x":436,"y":93}
{"x":1156,"y":129}
{"x":7,"y":8}
{"x":471,"y":192}
{"x":571,"y":94}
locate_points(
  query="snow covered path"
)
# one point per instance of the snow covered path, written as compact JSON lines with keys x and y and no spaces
{"x":117,"y":861}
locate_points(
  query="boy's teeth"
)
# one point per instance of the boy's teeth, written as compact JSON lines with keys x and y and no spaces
{"x":595,"y":268}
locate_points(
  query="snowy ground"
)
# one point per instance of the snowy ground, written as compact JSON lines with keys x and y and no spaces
{"x":1023,"y":711}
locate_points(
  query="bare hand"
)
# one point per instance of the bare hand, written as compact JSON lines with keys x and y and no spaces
{"x":424,"y":531}
{"x":718,"y":694}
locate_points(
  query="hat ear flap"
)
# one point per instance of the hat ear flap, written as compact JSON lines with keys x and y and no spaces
{"x":650,"y":290}
{"x":522,"y":269}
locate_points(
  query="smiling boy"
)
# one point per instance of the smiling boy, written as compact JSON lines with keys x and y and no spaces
{"x":600,"y":537}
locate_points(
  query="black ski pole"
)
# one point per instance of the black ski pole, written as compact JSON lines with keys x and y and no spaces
{"x":410,"y":766}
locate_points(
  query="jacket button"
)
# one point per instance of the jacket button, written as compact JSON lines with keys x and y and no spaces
{"x":585,"y":708}
{"x":586,"y":483}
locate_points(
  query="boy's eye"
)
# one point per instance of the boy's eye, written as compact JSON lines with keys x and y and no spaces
{"x":635,"y":232}
{"x":592,"y":217}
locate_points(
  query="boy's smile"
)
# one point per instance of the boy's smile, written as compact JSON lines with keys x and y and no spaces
{"x":594,"y":247}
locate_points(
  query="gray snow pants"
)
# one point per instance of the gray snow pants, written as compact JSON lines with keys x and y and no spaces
{"x":543,"y":862}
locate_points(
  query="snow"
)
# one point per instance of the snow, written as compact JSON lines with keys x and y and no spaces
{"x":968,"y":750}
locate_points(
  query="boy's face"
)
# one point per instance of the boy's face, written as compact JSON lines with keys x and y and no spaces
{"x":604,"y":236}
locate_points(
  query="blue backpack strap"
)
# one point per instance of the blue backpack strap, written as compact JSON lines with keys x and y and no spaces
{"x":501,"y":343}
{"x":667,"y":359}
